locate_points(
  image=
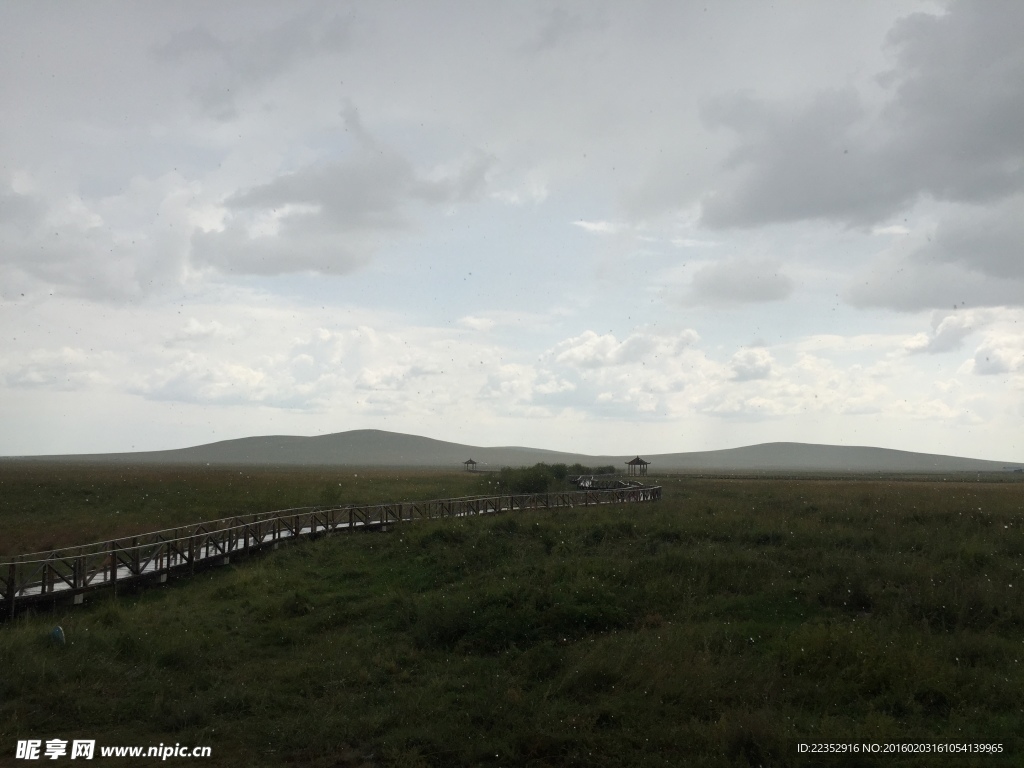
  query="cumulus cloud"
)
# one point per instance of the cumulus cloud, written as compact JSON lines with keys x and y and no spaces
{"x":367,"y":369}
{"x":647,"y":374}
{"x":1001,"y":352}
{"x":947,"y":130}
{"x":526,"y":390}
{"x":988,"y":240}
{"x":482,"y":324}
{"x":67,"y":368}
{"x":200,"y":379}
{"x":793,"y":162}
{"x":331,"y":217}
{"x":911,"y":285}
{"x":860,"y":342}
{"x":973,"y":256}
{"x":19,"y":210}
{"x":598,"y":227}
{"x":751,"y":364}
{"x":107,"y":249}
{"x":737,"y":281}
{"x":232,"y":69}
{"x":393,"y":377}
{"x":822,"y":377}
{"x":510,"y":383}
{"x":818,"y":385}
{"x":196,"y":330}
{"x":994,"y":360}
{"x":948,"y":332}
{"x":591,"y":350}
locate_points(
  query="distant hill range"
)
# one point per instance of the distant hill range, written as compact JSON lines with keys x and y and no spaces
{"x":377,"y":448}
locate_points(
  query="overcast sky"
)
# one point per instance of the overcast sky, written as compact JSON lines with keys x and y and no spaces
{"x":598,"y":227}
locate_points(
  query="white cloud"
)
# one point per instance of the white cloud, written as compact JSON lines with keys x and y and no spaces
{"x":857,"y":342}
{"x":198,"y":379}
{"x":969,"y":255}
{"x":599,"y":227}
{"x":590,"y":350}
{"x":196,"y":330}
{"x":226,"y":72}
{"x":331,"y":217}
{"x":690,"y":242}
{"x":192,"y":207}
{"x":751,"y":364}
{"x":909,"y":285}
{"x":999,"y":355}
{"x":67,"y":368}
{"x":482,"y":324}
{"x":109,"y":249}
{"x":532,"y":189}
{"x":946,"y":129}
{"x":737,"y":281}
{"x":818,"y":387}
{"x":525,"y":390}
{"x":948,"y":332}
{"x":394,"y":377}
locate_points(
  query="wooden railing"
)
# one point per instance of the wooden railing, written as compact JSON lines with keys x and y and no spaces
{"x":72,"y":571}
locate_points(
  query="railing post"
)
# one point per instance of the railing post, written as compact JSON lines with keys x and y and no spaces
{"x":135,"y":566}
{"x":12,"y":588}
{"x":113,"y":566}
{"x":78,"y":579}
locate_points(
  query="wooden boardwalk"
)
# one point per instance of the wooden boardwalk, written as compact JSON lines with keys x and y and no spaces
{"x":68,"y":574}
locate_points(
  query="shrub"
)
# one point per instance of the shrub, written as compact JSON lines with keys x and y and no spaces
{"x":536,"y":479}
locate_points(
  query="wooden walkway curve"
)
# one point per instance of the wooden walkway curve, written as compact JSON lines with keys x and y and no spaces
{"x":71,"y":572}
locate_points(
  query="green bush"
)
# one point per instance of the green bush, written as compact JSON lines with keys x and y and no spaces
{"x":580,"y":469}
{"x":541,"y":477}
{"x":536,"y":479}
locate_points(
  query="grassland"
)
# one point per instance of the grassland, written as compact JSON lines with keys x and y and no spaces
{"x":719,"y":627}
{"x":45,"y":506}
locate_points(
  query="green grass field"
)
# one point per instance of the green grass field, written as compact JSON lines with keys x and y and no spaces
{"x":45,"y":507}
{"x":719,"y":627}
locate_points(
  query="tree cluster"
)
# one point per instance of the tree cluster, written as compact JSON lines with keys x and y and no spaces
{"x":541,"y":477}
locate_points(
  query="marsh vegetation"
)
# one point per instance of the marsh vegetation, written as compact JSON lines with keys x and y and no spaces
{"x":719,"y":627}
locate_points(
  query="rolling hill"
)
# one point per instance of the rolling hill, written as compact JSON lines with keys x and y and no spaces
{"x":378,"y":448}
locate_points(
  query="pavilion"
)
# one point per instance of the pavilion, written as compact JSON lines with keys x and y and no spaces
{"x":637,"y":466}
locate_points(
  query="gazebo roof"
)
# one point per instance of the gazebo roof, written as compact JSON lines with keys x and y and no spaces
{"x":469,"y":461}
{"x":637,"y":461}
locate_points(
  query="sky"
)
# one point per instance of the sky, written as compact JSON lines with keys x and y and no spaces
{"x":599,"y":227}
